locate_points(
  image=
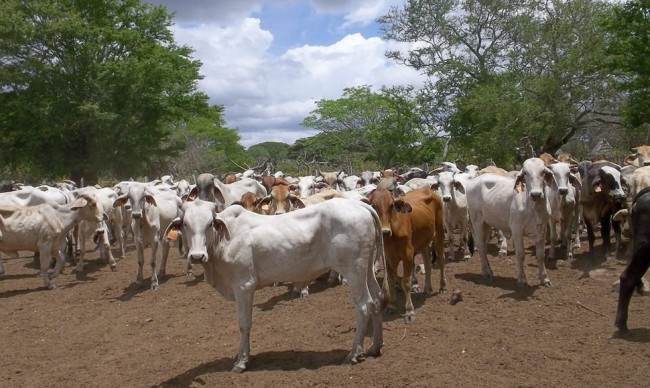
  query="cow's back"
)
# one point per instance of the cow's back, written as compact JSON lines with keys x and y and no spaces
{"x":300,"y":245}
{"x":489,"y":198}
{"x":425,"y":216}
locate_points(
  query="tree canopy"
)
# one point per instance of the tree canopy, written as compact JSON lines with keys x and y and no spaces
{"x":91,"y":88}
{"x":629,"y":45}
{"x":504,"y":70}
{"x":383,"y":126}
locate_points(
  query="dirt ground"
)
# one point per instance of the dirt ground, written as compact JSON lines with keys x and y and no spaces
{"x":101,"y":331}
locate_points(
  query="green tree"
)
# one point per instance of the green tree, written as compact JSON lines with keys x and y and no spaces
{"x":503,"y":70}
{"x":629,"y":44}
{"x":91,"y":88}
{"x":384,"y":126}
{"x":206,"y":145}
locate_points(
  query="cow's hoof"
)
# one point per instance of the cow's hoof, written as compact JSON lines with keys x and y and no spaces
{"x":409,"y":318}
{"x":238,"y":368}
{"x":155,"y":287}
{"x":503,"y":254}
{"x":374,"y":351}
{"x":467,"y":257}
{"x":51,"y":286}
{"x":391,"y":310}
{"x":113,"y":267}
{"x":546,"y":283}
{"x":415,"y":288}
{"x":552,"y":264}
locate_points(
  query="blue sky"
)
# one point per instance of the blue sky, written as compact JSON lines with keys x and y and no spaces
{"x":268,"y":61}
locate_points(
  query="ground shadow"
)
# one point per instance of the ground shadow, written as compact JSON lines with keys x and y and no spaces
{"x":267,"y":361}
{"x":640,"y":335}
{"x":12,"y":293}
{"x":517,"y":291}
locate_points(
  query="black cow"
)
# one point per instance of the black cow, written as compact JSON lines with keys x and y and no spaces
{"x":638,"y":265}
{"x":602,"y":195}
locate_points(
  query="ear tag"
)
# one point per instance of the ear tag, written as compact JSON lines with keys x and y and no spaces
{"x":172,"y":235}
{"x":519,"y":188}
{"x":598,"y":189}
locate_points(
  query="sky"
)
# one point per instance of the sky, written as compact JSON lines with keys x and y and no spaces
{"x":268,"y":61}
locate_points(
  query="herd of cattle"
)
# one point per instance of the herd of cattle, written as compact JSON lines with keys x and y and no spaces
{"x":250,"y":231}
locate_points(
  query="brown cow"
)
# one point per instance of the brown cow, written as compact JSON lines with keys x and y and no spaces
{"x":409,"y":225}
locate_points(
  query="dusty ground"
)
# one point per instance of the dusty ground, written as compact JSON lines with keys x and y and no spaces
{"x":101,"y":331}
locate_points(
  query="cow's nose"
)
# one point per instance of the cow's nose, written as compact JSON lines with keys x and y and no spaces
{"x":196,"y":257}
{"x":564,"y":191}
{"x":136,"y":216}
{"x":387,"y":232}
{"x":446,"y":198}
{"x":646,"y":162}
{"x":535,"y":195}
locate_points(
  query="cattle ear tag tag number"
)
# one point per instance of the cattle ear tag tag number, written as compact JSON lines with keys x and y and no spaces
{"x":172,"y":235}
{"x":598,"y":189}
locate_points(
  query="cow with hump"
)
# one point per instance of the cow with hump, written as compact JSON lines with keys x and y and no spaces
{"x":43,"y":228}
{"x":601,"y":197}
{"x":516,"y":207}
{"x":242,"y":251}
{"x":409,"y":225}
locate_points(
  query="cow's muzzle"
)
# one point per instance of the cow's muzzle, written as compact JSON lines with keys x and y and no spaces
{"x":535,"y":195}
{"x":563,"y":191}
{"x":446,"y":198}
{"x":197,"y":257}
{"x":136,"y":216}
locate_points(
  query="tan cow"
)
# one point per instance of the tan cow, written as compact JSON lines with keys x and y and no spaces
{"x":640,"y":156}
{"x":409,"y":225}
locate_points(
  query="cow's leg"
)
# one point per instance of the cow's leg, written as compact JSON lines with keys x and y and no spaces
{"x":449,"y":232}
{"x":375,"y":313}
{"x":503,"y":244}
{"x":391,"y":273}
{"x":407,"y":269}
{"x":60,"y":259}
{"x":591,"y":238}
{"x":464,"y":232}
{"x":45,"y":257}
{"x":244,"y":301}
{"x":481,"y":235}
{"x":152,"y":264}
{"x":518,"y":242}
{"x":162,"y":271}
{"x":81,"y":243}
{"x":616,"y":225}
{"x":2,"y":267}
{"x":552,"y":259}
{"x":119,"y":234}
{"x":363,"y":308}
{"x":541,"y":266}
{"x":105,"y":245}
{"x":605,"y":228}
{"x":140,"y":255}
{"x":630,"y":279}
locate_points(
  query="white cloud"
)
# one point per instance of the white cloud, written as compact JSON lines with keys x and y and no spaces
{"x":267,"y":96}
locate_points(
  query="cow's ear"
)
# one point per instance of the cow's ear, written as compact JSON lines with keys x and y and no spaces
{"x":193,"y":194}
{"x":519,"y":183}
{"x":172,"y":231}
{"x":630,"y":159}
{"x":459,"y":186}
{"x":434,"y":186}
{"x":402,"y":206}
{"x":322,"y":185}
{"x":596,"y":185}
{"x":120,"y":201}
{"x":79,"y":203}
{"x":621,"y":215}
{"x":150,"y":200}
{"x":549,"y":178}
{"x":296,"y":202}
{"x":575,"y":181}
{"x":221,"y":228}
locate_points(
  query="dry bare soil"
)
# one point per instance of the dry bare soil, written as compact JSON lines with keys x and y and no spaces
{"x":99,"y":330}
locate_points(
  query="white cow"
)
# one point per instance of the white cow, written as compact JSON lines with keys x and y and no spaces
{"x":31,"y":196}
{"x":517,"y":207}
{"x":454,"y":210}
{"x":242,"y":251}
{"x":112,"y":226}
{"x":43,"y":228}
{"x":151,"y":214}
{"x":208,"y":188}
{"x":565,"y":209}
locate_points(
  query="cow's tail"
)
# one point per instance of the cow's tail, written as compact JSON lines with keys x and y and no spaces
{"x":380,"y":257}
